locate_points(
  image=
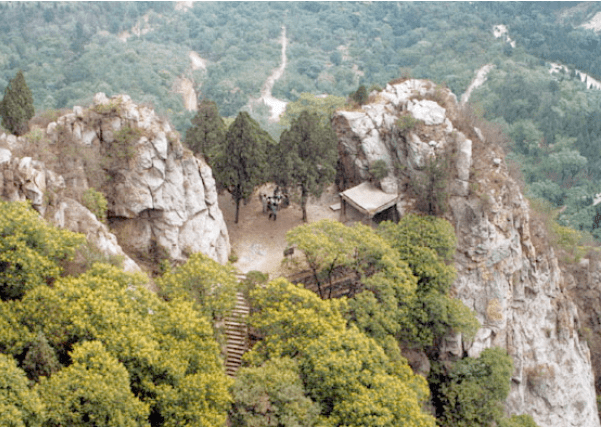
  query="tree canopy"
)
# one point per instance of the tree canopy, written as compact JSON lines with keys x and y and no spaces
{"x":243,"y":164}
{"x":402,"y":283}
{"x":16,"y":107}
{"x":207,"y":134}
{"x":308,"y":157}
{"x":472,"y":392}
{"x":30,"y":249}
{"x":100,"y":348}
{"x":347,"y":374}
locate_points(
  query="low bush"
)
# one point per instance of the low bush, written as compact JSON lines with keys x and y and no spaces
{"x":378,"y":169}
{"x":96,"y":203}
{"x":407,"y":122}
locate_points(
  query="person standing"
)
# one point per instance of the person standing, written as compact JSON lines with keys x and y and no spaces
{"x":263,"y":198}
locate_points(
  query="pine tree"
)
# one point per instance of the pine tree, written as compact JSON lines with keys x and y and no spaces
{"x":309,"y":153}
{"x":207,"y":134}
{"x":243,"y":163}
{"x":16,"y":107}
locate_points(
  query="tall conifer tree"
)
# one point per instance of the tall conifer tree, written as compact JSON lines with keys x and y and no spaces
{"x":308,"y":151}
{"x":243,"y":164}
{"x":16,"y":107}
{"x":207,"y":134}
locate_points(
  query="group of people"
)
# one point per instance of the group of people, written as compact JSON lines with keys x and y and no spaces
{"x":272,"y":204}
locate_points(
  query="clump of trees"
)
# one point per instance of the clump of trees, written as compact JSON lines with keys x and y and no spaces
{"x":99,"y":348}
{"x":472,"y":391}
{"x":403,"y":280}
{"x":338,"y":375}
{"x":401,"y":300}
{"x":244,"y":156}
{"x":242,"y":163}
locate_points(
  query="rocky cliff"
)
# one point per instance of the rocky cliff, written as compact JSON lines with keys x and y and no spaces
{"x":507,"y":272}
{"x":160,"y":196}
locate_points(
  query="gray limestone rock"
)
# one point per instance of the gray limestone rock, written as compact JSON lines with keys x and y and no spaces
{"x":427,"y":111}
{"x":162,"y":193}
{"x":517,"y":290}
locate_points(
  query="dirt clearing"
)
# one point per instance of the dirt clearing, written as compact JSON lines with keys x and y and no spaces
{"x":259,"y":242}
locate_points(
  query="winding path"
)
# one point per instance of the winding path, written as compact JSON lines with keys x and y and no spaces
{"x":477,"y":82}
{"x":276,"y":106}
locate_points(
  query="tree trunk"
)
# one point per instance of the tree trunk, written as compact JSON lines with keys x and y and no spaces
{"x":304,"y":202}
{"x":237,"y":208}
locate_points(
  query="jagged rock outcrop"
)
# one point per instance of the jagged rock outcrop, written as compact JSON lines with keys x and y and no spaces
{"x":160,"y":196}
{"x":583,"y":283}
{"x":506,"y":272}
{"x":27,"y":179}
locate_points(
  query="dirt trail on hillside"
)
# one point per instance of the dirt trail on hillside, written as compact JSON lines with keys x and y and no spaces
{"x":476,"y":82}
{"x":258,"y":242}
{"x":276,"y":106}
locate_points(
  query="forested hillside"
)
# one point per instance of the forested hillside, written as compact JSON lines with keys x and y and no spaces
{"x":69,"y":51}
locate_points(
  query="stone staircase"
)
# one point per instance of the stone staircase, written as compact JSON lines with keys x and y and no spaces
{"x":236,"y":330}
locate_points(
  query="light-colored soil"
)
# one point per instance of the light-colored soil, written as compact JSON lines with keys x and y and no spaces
{"x":259,"y":242}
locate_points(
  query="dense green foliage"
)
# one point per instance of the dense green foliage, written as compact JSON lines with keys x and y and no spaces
{"x":306,"y":158}
{"x":30,"y":250}
{"x":16,"y":107}
{"x":345,"y":373}
{"x":206,"y":137}
{"x":19,"y":405}
{"x":65,"y":334}
{"x":99,"y":348}
{"x":427,"y":244}
{"x":93,"y":389}
{"x":242,"y":164}
{"x":402,"y":282}
{"x":272,"y":394}
{"x":196,"y":279}
{"x":472,"y":392}
{"x":68,"y":52}
{"x":554,"y":127}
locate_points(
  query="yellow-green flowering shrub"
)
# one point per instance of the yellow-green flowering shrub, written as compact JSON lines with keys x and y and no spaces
{"x":30,"y":249}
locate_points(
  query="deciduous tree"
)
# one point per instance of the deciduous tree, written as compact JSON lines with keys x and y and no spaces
{"x":94,"y":390}
{"x":211,"y":285}
{"x":20,"y":406}
{"x":473,"y":391}
{"x":345,"y":372}
{"x":30,"y":249}
{"x":272,"y":395}
{"x":167,"y":348}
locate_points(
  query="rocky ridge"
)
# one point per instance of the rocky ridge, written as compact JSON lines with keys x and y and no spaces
{"x":27,"y":179}
{"x":507,"y":272}
{"x":159,"y":194}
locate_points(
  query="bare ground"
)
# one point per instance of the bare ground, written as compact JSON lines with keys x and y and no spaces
{"x":259,"y":242}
